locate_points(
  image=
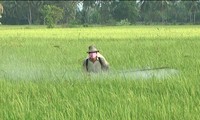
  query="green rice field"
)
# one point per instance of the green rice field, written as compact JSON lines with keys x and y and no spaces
{"x":41,"y":73}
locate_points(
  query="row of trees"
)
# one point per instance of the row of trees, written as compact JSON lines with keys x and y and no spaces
{"x":102,"y":12}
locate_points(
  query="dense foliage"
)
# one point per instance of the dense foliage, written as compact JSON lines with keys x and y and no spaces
{"x":105,"y":12}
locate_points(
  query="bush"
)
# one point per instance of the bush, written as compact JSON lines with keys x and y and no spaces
{"x":85,"y":25}
{"x":52,"y":15}
{"x":124,"y":22}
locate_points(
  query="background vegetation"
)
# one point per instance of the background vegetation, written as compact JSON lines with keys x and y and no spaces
{"x":104,"y":12}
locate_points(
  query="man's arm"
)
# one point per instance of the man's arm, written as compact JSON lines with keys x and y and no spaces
{"x":105,"y":65}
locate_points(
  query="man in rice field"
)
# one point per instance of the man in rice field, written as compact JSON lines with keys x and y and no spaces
{"x":95,"y":62}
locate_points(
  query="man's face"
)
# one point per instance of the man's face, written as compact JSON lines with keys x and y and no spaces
{"x":93,"y":55}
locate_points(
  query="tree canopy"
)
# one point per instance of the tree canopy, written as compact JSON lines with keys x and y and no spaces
{"x":104,"y":12}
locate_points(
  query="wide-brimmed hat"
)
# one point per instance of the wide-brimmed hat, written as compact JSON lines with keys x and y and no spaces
{"x":92,"y":48}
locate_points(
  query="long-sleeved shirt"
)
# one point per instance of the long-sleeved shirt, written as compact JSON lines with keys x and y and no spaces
{"x":98,"y":66}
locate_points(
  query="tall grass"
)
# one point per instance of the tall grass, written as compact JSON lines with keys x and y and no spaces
{"x":40,"y":73}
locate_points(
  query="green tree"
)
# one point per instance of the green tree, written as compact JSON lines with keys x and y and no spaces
{"x":105,"y":12}
{"x":30,"y":11}
{"x":125,"y":10}
{"x":161,"y":7}
{"x":69,"y":10}
{"x":193,"y":7}
{"x":177,"y":12}
{"x":1,"y":11}
{"x":11,"y":13}
{"x":33,"y":13}
{"x":22,"y":12}
{"x":146,"y":12}
{"x":88,"y":7}
{"x":52,"y":15}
